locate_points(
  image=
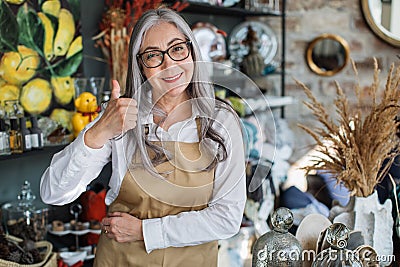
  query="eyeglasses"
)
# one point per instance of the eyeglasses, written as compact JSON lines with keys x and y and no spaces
{"x":177,"y":52}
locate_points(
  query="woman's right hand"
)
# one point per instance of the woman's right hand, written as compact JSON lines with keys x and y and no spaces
{"x":119,"y":116}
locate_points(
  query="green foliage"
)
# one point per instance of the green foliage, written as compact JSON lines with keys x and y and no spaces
{"x":67,"y":67}
{"x":75,"y":8}
{"x":8,"y":29}
{"x":31,"y":29}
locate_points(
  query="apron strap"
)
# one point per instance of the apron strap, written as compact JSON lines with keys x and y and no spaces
{"x":136,"y":157}
{"x":198,"y":124}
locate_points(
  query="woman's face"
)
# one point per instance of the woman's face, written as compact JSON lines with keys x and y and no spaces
{"x":171,"y":78}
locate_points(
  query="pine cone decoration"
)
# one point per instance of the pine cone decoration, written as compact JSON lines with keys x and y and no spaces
{"x":3,"y":239}
{"x":24,"y":253}
{"x":27,"y":258}
{"x":14,"y":256}
{"x":21,"y":230}
{"x":37,"y":257}
{"x":28,"y":245}
{"x":4,"y":251}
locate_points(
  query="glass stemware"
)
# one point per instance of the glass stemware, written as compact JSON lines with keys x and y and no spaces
{"x":96,"y":86}
{"x":80,"y":86}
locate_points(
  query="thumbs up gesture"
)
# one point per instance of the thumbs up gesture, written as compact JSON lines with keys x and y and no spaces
{"x":119,"y":117}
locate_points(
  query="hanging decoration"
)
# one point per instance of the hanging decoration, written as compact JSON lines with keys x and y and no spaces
{"x":115,"y":28}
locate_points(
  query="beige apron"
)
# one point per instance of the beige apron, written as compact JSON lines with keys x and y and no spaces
{"x":144,"y":196}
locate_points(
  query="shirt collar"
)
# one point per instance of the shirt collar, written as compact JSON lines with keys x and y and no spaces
{"x":148,"y":118}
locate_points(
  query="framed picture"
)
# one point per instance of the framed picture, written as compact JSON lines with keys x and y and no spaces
{"x":40,"y":53}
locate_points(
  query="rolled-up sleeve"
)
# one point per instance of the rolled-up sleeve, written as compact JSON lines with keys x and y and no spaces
{"x":71,"y":170}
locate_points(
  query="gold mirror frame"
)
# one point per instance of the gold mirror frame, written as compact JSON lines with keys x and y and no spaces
{"x":379,"y":30}
{"x":309,"y":52}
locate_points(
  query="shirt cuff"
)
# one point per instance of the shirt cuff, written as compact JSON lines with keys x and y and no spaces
{"x":152,"y":234}
{"x":85,"y":151}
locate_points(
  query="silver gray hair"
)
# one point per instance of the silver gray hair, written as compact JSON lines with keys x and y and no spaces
{"x":200,"y":89}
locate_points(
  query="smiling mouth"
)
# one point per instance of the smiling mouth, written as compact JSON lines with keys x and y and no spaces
{"x":172,"y":78}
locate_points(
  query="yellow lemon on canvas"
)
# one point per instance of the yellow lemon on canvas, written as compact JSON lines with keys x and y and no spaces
{"x":8,"y":92}
{"x":64,"y":89}
{"x":15,"y":2}
{"x":18,"y":68}
{"x":36,"y":96}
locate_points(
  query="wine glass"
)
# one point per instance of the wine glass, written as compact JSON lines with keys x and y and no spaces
{"x":80,"y":86}
{"x":96,"y":86}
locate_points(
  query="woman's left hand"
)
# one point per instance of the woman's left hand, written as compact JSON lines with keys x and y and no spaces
{"x":122,"y":227}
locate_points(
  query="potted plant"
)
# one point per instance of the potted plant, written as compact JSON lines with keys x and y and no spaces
{"x":357,"y":147}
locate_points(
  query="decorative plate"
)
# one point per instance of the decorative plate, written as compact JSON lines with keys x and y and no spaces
{"x":267,"y":41}
{"x":211,"y":42}
{"x":230,"y":3}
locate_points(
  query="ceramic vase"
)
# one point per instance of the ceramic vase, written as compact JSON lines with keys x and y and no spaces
{"x":373,"y":219}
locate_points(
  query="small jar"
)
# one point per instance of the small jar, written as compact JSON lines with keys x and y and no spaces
{"x":278,"y":247}
{"x":22,"y":219}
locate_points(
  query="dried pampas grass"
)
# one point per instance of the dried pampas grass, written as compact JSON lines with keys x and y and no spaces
{"x":360,"y":146}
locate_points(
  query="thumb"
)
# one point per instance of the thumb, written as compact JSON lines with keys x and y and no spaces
{"x":116,"y":89}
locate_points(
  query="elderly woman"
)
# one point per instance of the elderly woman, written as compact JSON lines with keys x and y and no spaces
{"x":178,"y":166}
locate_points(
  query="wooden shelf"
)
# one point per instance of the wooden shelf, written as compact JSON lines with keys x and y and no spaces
{"x":45,"y":150}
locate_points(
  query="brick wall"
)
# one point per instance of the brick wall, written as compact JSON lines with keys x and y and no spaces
{"x":306,"y":20}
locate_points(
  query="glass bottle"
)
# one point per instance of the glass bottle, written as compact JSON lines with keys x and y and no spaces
{"x":2,"y":110}
{"x":15,"y":137}
{"x":96,"y":86}
{"x":337,"y":236}
{"x":23,"y":219}
{"x":26,"y":135}
{"x":36,"y":134}
{"x":4,"y":139}
{"x":105,"y":97}
{"x":13,"y":109}
{"x":278,"y":247}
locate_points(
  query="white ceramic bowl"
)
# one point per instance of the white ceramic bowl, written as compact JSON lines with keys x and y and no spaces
{"x":71,"y":258}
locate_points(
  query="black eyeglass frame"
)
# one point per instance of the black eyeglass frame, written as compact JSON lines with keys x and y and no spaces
{"x":188,"y":44}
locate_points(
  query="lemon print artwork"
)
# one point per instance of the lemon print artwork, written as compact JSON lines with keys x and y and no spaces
{"x":36,"y":96}
{"x":15,"y":2}
{"x":63,"y":88}
{"x":52,"y":7}
{"x":19,"y":67}
{"x":62,"y":117}
{"x":8,"y":92}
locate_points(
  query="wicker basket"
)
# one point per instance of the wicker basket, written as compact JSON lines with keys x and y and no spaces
{"x":52,"y":261}
{"x":47,"y":248}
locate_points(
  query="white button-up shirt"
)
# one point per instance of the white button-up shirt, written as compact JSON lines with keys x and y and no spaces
{"x":73,"y":168}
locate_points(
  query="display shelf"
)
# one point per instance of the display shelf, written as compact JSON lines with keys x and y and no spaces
{"x":205,"y":8}
{"x":273,"y":102}
{"x":32,"y":153}
{"x":231,"y":14}
{"x":85,"y":253}
{"x":279,"y":101}
{"x":68,"y":230}
{"x":238,"y":78}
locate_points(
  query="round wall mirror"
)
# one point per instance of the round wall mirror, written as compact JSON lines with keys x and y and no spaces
{"x":327,"y":54}
{"x":382,"y":16}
